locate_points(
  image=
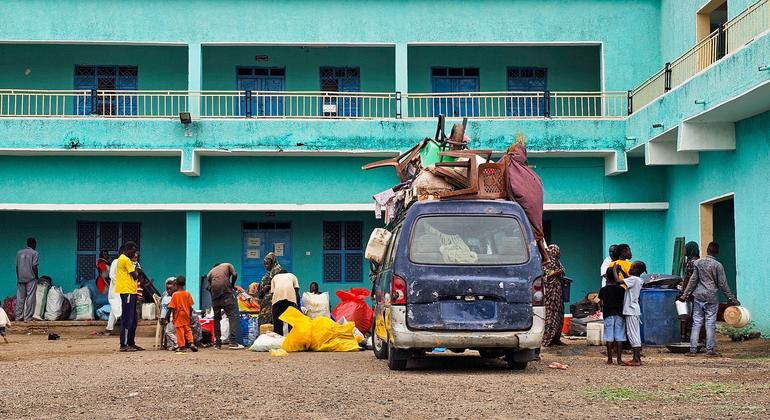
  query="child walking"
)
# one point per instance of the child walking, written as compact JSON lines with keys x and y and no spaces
{"x":611,"y":304}
{"x":180,"y":309}
{"x":4,"y":322}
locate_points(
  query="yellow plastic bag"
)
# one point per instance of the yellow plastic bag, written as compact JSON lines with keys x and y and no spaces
{"x":278,"y":352}
{"x":320,"y":334}
{"x":298,"y":339}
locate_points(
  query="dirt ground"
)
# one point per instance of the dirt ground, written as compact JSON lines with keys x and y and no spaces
{"x":85,"y":377}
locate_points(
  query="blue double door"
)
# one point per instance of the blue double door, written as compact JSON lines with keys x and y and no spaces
{"x":261,"y":81}
{"x":455,"y":80}
{"x":260,"y":239}
{"x":106,"y":78}
{"x":527,"y":79}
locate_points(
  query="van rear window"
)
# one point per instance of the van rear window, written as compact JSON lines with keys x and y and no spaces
{"x":468,"y":240}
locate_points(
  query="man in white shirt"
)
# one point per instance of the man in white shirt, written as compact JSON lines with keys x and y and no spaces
{"x":285,"y":288}
{"x":606,"y":264}
{"x":632,"y":311}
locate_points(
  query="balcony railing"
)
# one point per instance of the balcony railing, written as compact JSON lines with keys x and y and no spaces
{"x":310,"y":105}
{"x":519,"y":105}
{"x":727,"y":39}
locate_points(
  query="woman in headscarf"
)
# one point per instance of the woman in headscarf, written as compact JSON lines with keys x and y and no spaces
{"x":103,"y":268}
{"x":525,"y":187}
{"x":552,"y":296}
{"x":692,"y":254}
{"x":272,"y":267}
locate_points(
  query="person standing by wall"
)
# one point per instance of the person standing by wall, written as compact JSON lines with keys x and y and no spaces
{"x":692,"y":254}
{"x":285,"y":288}
{"x":622,"y":258}
{"x":553,"y":297}
{"x":222,"y":278}
{"x":26,"y":280}
{"x":112,"y":296}
{"x":708,"y":278}
{"x":180,"y":309}
{"x":126,"y":281}
{"x":606,"y":264}
{"x":632,"y":311}
{"x":272,"y":268}
{"x":103,"y":268}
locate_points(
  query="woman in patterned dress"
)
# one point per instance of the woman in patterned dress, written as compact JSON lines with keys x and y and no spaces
{"x":552,"y":295}
{"x":265,"y":294}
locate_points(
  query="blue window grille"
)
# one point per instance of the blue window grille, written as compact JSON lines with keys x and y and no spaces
{"x":92,"y":237}
{"x":527,"y":79}
{"x":340,"y":79}
{"x":106,"y":78}
{"x":343,"y":256}
{"x":261,"y":79}
{"x":455,"y":80}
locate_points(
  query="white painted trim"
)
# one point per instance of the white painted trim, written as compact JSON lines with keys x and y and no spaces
{"x":295,"y":44}
{"x":601,"y":67}
{"x":94,"y":42}
{"x":294,"y":153}
{"x":501,"y":43}
{"x":718,"y":198}
{"x":653,"y":206}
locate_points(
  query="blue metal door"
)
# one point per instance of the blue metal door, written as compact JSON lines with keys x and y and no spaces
{"x":109,"y":78}
{"x":341,"y":79}
{"x":260,"y":79}
{"x":455,"y":80}
{"x":256,"y":244}
{"x":527,"y":79}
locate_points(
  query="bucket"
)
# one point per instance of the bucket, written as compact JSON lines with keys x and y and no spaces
{"x":595,"y":333}
{"x":565,"y":325}
{"x":683,"y":309}
{"x":737,"y":316}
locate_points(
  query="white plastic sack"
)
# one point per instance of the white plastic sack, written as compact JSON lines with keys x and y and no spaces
{"x":54,"y":302}
{"x":378,"y":243}
{"x":71,"y":298}
{"x":224,"y":328}
{"x":267,"y":341}
{"x":84,"y":306}
{"x":41,"y":297}
{"x":148,"y":311}
{"x":316,"y":305}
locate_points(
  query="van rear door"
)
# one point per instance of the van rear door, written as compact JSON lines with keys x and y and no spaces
{"x":469,"y":272}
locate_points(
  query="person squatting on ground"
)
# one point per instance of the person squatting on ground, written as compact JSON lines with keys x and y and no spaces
{"x":611,"y":304}
{"x":707,"y":279}
{"x":285,"y":288}
{"x":553,"y":298}
{"x":222,"y":278}
{"x":180,"y":310}
{"x":4,"y":323}
{"x":632,"y":311}
{"x":126,"y":285}
{"x":26,"y":281}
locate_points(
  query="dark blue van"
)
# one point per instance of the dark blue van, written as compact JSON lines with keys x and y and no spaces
{"x":459,"y":275}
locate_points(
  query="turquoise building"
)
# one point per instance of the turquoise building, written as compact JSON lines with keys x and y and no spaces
{"x":646,"y":119}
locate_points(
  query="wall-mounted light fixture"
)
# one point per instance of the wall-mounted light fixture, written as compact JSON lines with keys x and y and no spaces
{"x":186,"y":119}
{"x":764,"y":68}
{"x":657,"y":125}
{"x":700,"y":102}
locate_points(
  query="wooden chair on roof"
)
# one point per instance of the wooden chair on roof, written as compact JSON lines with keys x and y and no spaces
{"x":401,"y":162}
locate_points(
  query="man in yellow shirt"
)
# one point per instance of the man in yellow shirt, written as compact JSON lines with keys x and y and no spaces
{"x":622,"y":258}
{"x":126,"y":279}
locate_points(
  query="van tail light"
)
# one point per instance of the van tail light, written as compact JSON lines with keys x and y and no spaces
{"x":397,"y":290}
{"x":537,"y":292}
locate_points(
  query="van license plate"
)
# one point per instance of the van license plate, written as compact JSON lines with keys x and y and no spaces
{"x":472,"y":311}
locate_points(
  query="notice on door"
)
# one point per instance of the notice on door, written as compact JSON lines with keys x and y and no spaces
{"x":254,"y":242}
{"x":252,"y":254}
{"x":278,"y":249}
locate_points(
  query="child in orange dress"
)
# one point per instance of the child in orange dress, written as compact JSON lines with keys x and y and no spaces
{"x":180,"y":308}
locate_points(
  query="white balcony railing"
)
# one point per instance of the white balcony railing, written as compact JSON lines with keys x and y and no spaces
{"x":41,"y":103}
{"x":518,"y":105}
{"x":728,"y":38}
{"x":138,"y":103}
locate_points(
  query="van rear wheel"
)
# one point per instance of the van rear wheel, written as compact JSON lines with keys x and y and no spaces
{"x":396,"y":358}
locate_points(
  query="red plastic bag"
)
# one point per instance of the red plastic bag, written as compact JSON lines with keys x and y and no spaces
{"x":9,"y":305}
{"x":354,"y":308}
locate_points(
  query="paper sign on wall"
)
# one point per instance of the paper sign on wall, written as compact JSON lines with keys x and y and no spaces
{"x":254,"y":242}
{"x":252,"y":253}
{"x":278,"y":249}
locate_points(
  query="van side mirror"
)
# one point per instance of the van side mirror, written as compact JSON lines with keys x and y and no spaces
{"x":377,"y":245}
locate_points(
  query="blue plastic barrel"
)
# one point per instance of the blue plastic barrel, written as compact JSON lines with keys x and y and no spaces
{"x":249,"y":329}
{"x":660,"y":321}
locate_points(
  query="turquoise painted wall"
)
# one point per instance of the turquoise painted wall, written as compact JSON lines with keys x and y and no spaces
{"x":162,"y":252}
{"x":579,"y":236}
{"x":644,"y":232}
{"x":223,"y":241}
{"x":53,"y":66}
{"x":631,"y":48}
{"x":575,"y":69}
{"x":302,"y":65}
{"x":743,"y":172}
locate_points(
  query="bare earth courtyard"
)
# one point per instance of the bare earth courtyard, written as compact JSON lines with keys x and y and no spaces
{"x":85,"y":377}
